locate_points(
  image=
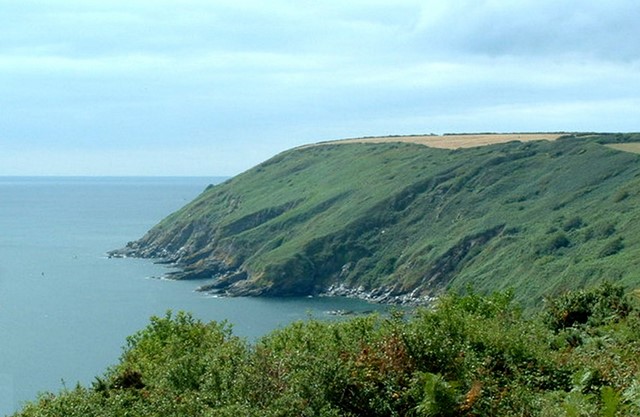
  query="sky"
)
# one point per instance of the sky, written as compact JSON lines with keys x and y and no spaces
{"x":213,"y":87}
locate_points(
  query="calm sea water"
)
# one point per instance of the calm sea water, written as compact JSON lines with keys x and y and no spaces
{"x":66,"y":309}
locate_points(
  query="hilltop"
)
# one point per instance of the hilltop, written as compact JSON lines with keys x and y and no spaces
{"x":451,"y":140}
{"x":397,"y":221}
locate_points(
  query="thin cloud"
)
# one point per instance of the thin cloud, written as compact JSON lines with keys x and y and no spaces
{"x":568,"y":29}
{"x":241,"y":74}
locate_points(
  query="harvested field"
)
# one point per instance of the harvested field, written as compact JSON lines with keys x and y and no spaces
{"x":633,"y":147}
{"x":454,"y":141}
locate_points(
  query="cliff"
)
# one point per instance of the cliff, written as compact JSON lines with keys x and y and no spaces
{"x":402,"y":221}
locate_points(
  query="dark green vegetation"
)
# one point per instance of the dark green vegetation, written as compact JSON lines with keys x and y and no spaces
{"x":470,"y":356}
{"x":401,"y":220}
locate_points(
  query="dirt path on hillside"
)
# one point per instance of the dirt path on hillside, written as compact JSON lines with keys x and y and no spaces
{"x":453,"y":141}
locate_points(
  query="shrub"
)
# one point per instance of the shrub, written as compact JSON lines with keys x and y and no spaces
{"x":573,"y":223}
{"x":470,"y":355}
{"x":607,"y":302}
{"x":557,"y":241}
{"x":440,"y":398}
{"x":620,"y":195}
{"x":605,"y":230}
{"x":611,"y":247}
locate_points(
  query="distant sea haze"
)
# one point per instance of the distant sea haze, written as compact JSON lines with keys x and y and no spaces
{"x":66,"y":309}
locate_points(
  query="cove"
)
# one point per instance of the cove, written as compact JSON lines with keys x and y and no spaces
{"x":66,"y":308}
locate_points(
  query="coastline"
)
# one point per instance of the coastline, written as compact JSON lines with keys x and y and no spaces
{"x":379,"y":295}
{"x":225,"y":284}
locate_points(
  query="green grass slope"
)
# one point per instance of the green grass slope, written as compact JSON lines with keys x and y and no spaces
{"x":399,"y":221}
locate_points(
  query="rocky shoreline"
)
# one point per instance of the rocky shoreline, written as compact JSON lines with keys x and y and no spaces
{"x":233,"y":282}
{"x":379,"y":295}
{"x":236,"y":285}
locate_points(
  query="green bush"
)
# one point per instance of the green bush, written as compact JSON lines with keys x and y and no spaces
{"x":620,"y":195}
{"x":469,"y":355}
{"x":553,"y":244}
{"x":573,"y":223}
{"x":597,"y":305}
{"x":612,"y":247}
{"x":440,"y":398}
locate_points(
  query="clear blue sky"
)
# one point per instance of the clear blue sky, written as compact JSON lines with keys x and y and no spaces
{"x":212,"y":87}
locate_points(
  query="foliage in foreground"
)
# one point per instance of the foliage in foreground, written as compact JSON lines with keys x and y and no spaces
{"x":470,"y":356}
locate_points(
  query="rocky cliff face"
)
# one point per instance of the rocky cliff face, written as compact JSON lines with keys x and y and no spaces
{"x":402,"y":222}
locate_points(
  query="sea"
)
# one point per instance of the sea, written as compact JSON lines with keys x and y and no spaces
{"x":66,"y":308}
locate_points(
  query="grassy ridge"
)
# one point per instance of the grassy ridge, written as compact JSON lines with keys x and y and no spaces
{"x":396,"y":218}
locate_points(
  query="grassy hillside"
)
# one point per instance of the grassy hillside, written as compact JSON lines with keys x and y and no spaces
{"x":388,"y":220}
